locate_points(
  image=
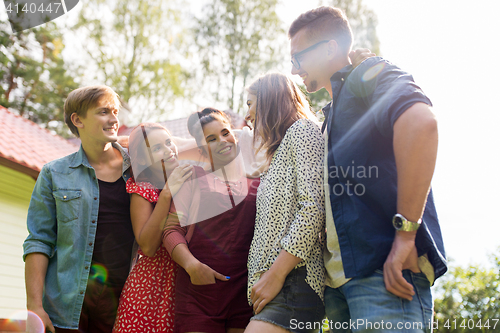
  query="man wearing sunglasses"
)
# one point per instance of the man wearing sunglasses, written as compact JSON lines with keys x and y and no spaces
{"x":384,"y":245}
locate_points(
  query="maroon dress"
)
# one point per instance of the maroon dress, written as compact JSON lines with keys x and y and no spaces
{"x":221,"y":242}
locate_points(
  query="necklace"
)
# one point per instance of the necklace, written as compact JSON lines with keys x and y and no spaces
{"x":230,"y":186}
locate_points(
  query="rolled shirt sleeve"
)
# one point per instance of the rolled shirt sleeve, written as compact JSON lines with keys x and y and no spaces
{"x":41,"y":221}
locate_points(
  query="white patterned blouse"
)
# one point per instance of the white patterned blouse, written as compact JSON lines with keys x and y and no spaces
{"x":291,"y":208}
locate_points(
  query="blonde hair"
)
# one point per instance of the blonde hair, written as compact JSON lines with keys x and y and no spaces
{"x":80,"y":100}
{"x":280,"y":103}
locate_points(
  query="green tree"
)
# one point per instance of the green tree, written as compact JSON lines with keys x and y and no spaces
{"x":468,"y":299}
{"x":132,"y":47}
{"x":363,"y":23}
{"x":34,"y":81}
{"x":236,"y":40}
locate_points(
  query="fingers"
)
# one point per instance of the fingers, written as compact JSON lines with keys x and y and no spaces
{"x":38,"y":321}
{"x":221,"y":277}
{"x":51,"y":328}
{"x":187,"y":175}
{"x":181,"y":170}
{"x":359,"y":55}
{"x":260,"y":304}
{"x":178,"y":177}
{"x":396,"y":284}
{"x":258,"y":301}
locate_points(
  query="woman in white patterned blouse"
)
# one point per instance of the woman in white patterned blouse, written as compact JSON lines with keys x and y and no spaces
{"x":285,"y":264}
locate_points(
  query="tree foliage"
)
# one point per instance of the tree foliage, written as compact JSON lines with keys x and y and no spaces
{"x":236,"y":40}
{"x":363,"y":23}
{"x":34,"y":81}
{"x":132,"y":47}
{"x":469,"y":295}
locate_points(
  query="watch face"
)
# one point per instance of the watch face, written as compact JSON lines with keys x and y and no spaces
{"x":398,"y":222}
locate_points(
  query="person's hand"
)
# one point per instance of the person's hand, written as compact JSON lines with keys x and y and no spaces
{"x":265,"y":290}
{"x":202,"y":274}
{"x":177,"y":178}
{"x":403,"y":255}
{"x":359,"y":55}
{"x":33,"y":324}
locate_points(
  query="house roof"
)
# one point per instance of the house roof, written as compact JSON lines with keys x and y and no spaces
{"x":26,"y":147}
{"x":178,"y":127}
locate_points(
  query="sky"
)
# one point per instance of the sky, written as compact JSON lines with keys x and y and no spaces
{"x":449,"y":46}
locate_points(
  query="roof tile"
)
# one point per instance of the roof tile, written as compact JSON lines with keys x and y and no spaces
{"x":26,"y":143}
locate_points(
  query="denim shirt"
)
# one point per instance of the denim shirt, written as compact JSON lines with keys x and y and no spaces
{"x":362,"y":174}
{"x":62,"y":224}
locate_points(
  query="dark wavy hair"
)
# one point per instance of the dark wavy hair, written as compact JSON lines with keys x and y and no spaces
{"x":198,"y":120}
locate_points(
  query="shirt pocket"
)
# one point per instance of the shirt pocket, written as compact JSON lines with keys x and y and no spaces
{"x":67,"y":204}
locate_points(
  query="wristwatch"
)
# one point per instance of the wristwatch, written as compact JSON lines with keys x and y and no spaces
{"x":400,"y":223}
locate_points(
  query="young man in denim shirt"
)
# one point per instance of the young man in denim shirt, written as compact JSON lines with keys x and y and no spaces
{"x":384,"y":246}
{"x":78,"y":250}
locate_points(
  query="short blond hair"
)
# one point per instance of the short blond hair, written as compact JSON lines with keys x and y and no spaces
{"x":80,"y":100}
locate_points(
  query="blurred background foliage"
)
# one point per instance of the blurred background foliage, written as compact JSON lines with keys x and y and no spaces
{"x":156,"y":54}
{"x":467,"y":299}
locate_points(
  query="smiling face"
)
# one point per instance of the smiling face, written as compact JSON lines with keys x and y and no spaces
{"x":221,"y":143}
{"x":100,"y":122}
{"x":252,"y":109}
{"x":162,"y":148}
{"x":313,"y":63}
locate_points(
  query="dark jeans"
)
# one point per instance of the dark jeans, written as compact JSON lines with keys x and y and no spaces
{"x":99,"y":309}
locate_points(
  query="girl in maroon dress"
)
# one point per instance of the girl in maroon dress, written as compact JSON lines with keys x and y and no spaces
{"x":209,"y":231}
{"x":147,"y":300}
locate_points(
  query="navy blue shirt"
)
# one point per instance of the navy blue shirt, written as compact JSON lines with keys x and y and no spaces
{"x":362,"y":174}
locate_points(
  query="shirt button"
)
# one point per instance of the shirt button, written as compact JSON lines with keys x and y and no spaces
{"x":90,"y":243}
{"x":95,"y":198}
{"x":93,"y":221}
{"x":64,"y":197}
{"x":86,"y":267}
{"x":81,"y":292}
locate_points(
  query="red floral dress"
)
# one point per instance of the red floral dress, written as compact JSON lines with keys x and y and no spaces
{"x":147,"y":300}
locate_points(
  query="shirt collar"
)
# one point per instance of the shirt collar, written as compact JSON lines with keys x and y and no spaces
{"x":80,"y":158}
{"x":337,"y":80}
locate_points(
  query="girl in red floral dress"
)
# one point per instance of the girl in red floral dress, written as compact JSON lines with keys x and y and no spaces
{"x":147,"y":299}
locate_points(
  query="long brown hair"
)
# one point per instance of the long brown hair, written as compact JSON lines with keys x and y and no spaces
{"x":280,"y":103}
{"x":138,"y":151}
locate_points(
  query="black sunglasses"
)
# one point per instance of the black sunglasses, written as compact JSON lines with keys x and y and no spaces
{"x":295,"y":62}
